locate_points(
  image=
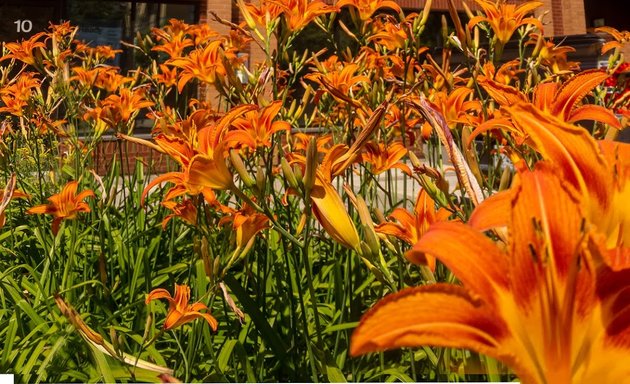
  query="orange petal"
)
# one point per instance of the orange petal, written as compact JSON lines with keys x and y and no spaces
{"x":569,"y":146}
{"x":494,"y":212}
{"x":159,"y":293}
{"x":596,"y":113}
{"x":545,"y":230}
{"x":438,"y":314}
{"x":173,"y":177}
{"x":331,"y":213}
{"x":173,"y":319}
{"x":42,"y":209}
{"x":575,"y":89}
{"x":472,"y":257}
{"x":206,"y":172}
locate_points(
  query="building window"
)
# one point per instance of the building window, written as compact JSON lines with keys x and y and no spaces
{"x":100,"y":22}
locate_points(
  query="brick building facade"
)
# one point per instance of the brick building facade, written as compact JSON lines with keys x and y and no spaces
{"x":563,"y":17}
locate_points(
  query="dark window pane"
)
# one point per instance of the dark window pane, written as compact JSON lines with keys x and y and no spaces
{"x":21,"y":21}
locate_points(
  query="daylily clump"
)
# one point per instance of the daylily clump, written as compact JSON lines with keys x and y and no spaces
{"x":328,"y":184}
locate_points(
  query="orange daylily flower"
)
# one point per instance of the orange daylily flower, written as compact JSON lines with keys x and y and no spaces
{"x":202,"y":33}
{"x":620,"y":37}
{"x":367,"y":8}
{"x":410,"y":227}
{"x":61,"y":31}
{"x":17,"y":95}
{"x":599,"y":171}
{"x":179,"y":311}
{"x":456,"y":106}
{"x":246,"y":223}
{"x":25,"y":51}
{"x":185,"y":210}
{"x":256,"y":128}
{"x":261,"y":15}
{"x":505,"y":19}
{"x":342,"y":83}
{"x":119,"y":108}
{"x":299,"y":13}
{"x":64,"y":205}
{"x":546,"y":303}
{"x":172,"y":42}
{"x":208,"y":169}
{"x":505,"y":74}
{"x":204,"y":64}
{"x":383,"y":158}
{"x":103,"y":77}
{"x":98,"y":54}
{"x":391,"y":36}
{"x":560,"y":100}
{"x":301,"y":141}
{"x":554,"y":56}
{"x":166,"y":76}
{"x":197,"y":145}
{"x":563,"y":100}
{"x":204,"y":173}
{"x":327,"y":205}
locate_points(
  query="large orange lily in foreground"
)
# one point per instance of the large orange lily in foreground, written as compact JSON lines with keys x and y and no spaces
{"x":546,"y":302}
{"x":179,"y":311}
{"x":598,"y":171}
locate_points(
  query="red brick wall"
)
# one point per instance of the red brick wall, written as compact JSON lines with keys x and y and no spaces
{"x":108,"y":150}
{"x":564,"y":17}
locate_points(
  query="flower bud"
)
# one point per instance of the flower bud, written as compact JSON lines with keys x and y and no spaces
{"x":288,"y":174}
{"x":311,"y":166}
{"x":239,"y":166}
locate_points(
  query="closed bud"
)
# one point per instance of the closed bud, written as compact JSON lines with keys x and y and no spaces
{"x":302,"y":223}
{"x":297,"y":171}
{"x":289,"y":176}
{"x":251,"y":23}
{"x":414,"y":159}
{"x":292,"y":107}
{"x":368,"y":225}
{"x":311,"y":166}
{"x":505,"y":179}
{"x":425,"y":12}
{"x":260,"y":178}
{"x":205,"y":257}
{"x":147,"y":326}
{"x":239,"y":166}
{"x":215,"y":266}
{"x":379,"y":215}
{"x":114,"y":339}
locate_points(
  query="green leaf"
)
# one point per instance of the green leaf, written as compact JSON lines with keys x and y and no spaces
{"x":334,"y":374}
{"x":341,"y":327}
{"x":268,"y":334}
{"x":102,"y":365}
{"x":226,"y":353}
{"x":9,"y":339}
